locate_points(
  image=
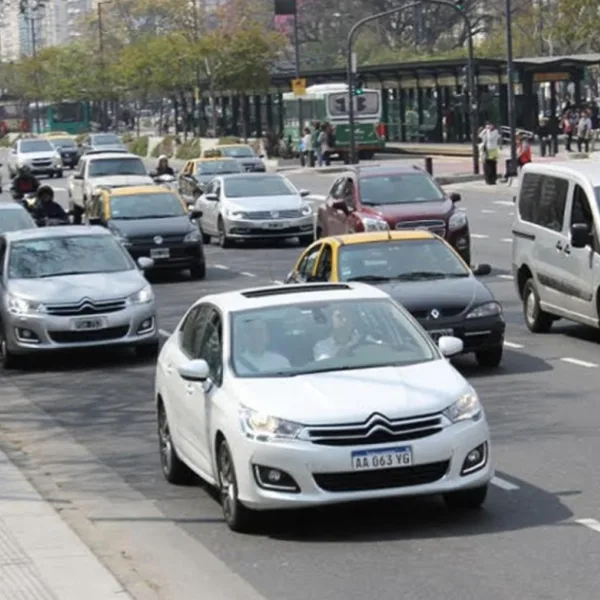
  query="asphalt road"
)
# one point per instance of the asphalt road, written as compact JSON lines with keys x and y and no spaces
{"x":83,"y":428}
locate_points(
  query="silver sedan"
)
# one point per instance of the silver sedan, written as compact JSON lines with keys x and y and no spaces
{"x":72,"y":287}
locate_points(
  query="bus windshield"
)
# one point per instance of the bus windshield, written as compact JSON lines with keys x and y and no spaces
{"x":67,"y":112}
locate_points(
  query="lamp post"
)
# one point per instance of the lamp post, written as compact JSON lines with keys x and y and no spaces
{"x":510,"y":75}
{"x":104,"y":105}
{"x":470,"y":75}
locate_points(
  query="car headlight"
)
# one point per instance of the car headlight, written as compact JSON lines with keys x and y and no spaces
{"x":371,"y":224}
{"x":307,"y":210}
{"x":21,"y":306}
{"x":466,"y":408}
{"x":264,"y":427}
{"x":458,"y":220}
{"x":57,"y":160}
{"x":192,"y":236}
{"x":489,"y":309}
{"x":143,"y":296}
{"x":235,"y":214}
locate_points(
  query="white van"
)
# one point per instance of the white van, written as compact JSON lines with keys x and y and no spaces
{"x":556,"y":244}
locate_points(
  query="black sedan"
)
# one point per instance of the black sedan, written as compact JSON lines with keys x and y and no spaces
{"x":68,"y":150}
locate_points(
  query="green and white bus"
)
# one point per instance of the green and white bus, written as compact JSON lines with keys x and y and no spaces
{"x":329,"y":103}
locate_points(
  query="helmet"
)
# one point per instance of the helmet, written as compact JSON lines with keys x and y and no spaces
{"x":163,"y":157}
{"x":45,"y":190}
{"x":25,"y":170}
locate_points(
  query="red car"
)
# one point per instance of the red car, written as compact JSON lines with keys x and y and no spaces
{"x":378,"y":198}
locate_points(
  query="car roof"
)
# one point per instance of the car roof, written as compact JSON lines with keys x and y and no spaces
{"x":215,"y":158}
{"x":370,"y":237}
{"x":366,"y":171}
{"x":130,"y":190}
{"x":55,"y":232}
{"x":587,"y":168}
{"x":101,"y":154}
{"x":246,"y":174}
{"x":284,"y":295}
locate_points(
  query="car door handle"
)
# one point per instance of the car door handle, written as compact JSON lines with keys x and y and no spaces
{"x":189,"y":388}
{"x":567,"y":249}
{"x":559,"y":245}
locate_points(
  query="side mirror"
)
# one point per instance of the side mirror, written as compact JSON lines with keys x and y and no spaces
{"x":195,"y":214}
{"x":580,"y":235}
{"x":195,"y":370}
{"x":450,"y":346}
{"x":290,"y":277}
{"x":340,"y":205}
{"x":211,"y":197}
{"x":304,"y":193}
{"x":145,"y":263}
{"x":481,"y":270}
{"x":455,"y":197}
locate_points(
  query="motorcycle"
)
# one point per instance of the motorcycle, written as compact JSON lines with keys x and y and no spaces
{"x":47,"y":222}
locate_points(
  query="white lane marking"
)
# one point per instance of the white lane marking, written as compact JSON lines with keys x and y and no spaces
{"x":246,"y":274}
{"x":479,"y":236}
{"x":592,"y":524}
{"x":579,"y":363}
{"x":164,"y":333}
{"x":504,"y":202}
{"x":277,"y":282}
{"x":513,"y":345}
{"x":503,"y":484}
{"x":222,"y":267}
{"x":489,"y":212}
{"x":509,"y":277}
{"x":506,"y":240}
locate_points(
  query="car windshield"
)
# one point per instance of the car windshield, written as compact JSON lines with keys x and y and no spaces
{"x":28,"y":146}
{"x":66,"y":255}
{"x":316,"y":337}
{"x":237,"y":152}
{"x":106,"y":139}
{"x":116,"y":166}
{"x":63,"y":143}
{"x":399,"y":188}
{"x":14,"y":219}
{"x":406,"y":259}
{"x":218,"y":167}
{"x":255,"y":185}
{"x":146,"y":206}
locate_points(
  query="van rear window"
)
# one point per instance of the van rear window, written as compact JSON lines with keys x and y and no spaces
{"x":543,"y":199}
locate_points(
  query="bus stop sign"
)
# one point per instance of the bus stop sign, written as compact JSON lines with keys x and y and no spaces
{"x":299,"y":87}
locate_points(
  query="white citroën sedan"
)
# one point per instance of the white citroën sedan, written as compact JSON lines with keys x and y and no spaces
{"x":286,"y":397}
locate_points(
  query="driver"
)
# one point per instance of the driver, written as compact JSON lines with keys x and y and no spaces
{"x":163,"y":168}
{"x":25,"y":182}
{"x":254,"y":357}
{"x":45,"y":206}
{"x":343,"y":337}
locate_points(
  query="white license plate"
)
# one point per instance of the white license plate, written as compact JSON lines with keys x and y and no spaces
{"x":88,"y":324}
{"x":383,"y":458}
{"x":436,"y":334}
{"x":160,"y":253}
{"x":275,"y":225}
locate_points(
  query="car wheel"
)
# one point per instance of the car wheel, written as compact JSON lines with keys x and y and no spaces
{"x":77,"y":214}
{"x":306,"y":240}
{"x":536,"y":320}
{"x":489,"y":358}
{"x":236,"y":515}
{"x":174,"y":470}
{"x":147,"y":349}
{"x":59,"y":174}
{"x":466,"y":499}
{"x":224,"y":241}
{"x":8,"y":360}
{"x":206,"y":239}
{"x":198,"y":271}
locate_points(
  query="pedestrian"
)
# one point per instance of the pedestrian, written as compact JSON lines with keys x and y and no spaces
{"x":524,"y":154}
{"x":307,"y":148}
{"x":584,"y":131}
{"x":316,"y":132}
{"x":323,"y":148}
{"x":330,"y":131}
{"x":544,"y":137}
{"x":567,"y":127}
{"x":490,"y":146}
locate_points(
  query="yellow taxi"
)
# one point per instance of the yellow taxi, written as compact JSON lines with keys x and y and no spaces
{"x":151,"y":221}
{"x":423,"y":273}
{"x":245,"y":155}
{"x":55,"y":134}
{"x":199,"y":172}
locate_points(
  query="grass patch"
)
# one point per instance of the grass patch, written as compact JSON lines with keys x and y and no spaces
{"x":166,"y":147}
{"x":138,"y":146}
{"x":189,"y":149}
{"x":5,"y":142}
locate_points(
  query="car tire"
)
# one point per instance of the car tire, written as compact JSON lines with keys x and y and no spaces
{"x":198,"y":271}
{"x":236,"y":515}
{"x":319,"y":233}
{"x":466,"y":500}
{"x":59,"y":174}
{"x":174,"y":470}
{"x":536,"y":320}
{"x":224,"y":241}
{"x":206,"y":239}
{"x":8,"y":360}
{"x":306,"y":240}
{"x":490,"y":358}
{"x":147,"y":349}
{"x":77,"y":214}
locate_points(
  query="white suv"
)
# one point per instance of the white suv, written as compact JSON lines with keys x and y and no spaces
{"x":103,"y":169}
{"x":38,"y":154}
{"x":556,"y":244}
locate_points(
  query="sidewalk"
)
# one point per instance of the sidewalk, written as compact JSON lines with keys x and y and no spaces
{"x":41,"y":558}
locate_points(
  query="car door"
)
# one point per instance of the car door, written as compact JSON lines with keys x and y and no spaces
{"x":329,"y":211}
{"x":305,"y":269}
{"x":209,"y":208}
{"x":324,"y":267}
{"x":584,"y":263}
{"x":338,"y":216}
{"x":94,"y":209}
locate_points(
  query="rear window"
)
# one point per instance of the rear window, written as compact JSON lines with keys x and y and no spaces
{"x":542,"y":200}
{"x":399,"y":188}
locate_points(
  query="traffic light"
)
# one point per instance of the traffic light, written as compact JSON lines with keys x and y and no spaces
{"x":358,"y":87}
{"x":460,"y":4}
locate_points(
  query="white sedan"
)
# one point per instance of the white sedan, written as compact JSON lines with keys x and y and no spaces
{"x":287,"y":397}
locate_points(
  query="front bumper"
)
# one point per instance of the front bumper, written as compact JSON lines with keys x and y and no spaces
{"x":46,"y":169}
{"x":275,"y":229}
{"x":477,"y":334}
{"x":324,"y":474}
{"x":181,"y":255}
{"x":31,"y":333}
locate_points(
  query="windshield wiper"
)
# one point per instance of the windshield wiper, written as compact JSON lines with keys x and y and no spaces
{"x":368,"y":278}
{"x":64,"y":273}
{"x":157,"y":216}
{"x":426,"y":275}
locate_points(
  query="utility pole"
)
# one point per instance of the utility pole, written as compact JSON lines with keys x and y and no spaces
{"x":510,"y":75}
{"x":104,"y":105}
{"x":197,"y":101}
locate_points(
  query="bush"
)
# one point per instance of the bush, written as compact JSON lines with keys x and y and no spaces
{"x":139,"y":146}
{"x":189,"y":149}
{"x":5,"y":142}
{"x":166,"y":147}
{"x":229,"y":140}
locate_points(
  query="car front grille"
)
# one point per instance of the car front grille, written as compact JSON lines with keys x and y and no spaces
{"x":98,"y":335}
{"x":377,"y":430}
{"x":85,"y":307}
{"x":381,"y":479}
{"x":148,"y":240}
{"x":41,"y":162}
{"x":266,"y":215}
{"x":437,"y":227}
{"x":443,"y":313}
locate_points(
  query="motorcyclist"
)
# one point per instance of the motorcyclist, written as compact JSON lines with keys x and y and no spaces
{"x":25,"y":182}
{"x":163,"y":168}
{"x":46,"y":208}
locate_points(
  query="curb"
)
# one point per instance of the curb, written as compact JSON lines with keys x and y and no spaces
{"x":428,"y":151}
{"x":458,"y":178}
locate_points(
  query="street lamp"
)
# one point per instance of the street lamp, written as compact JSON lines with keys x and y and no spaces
{"x":104,"y":105}
{"x":511,"y":170}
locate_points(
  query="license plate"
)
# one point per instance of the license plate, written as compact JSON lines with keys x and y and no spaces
{"x":275,"y":225}
{"x":438,"y":333}
{"x":383,"y":458}
{"x":88,"y":324}
{"x":160,"y":253}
